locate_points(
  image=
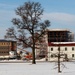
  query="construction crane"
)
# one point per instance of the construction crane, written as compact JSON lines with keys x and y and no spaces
{"x":27,"y":55}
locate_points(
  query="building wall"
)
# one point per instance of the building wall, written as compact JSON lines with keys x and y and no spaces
{"x":6,"y":46}
{"x":41,"y":48}
{"x":68,"y":50}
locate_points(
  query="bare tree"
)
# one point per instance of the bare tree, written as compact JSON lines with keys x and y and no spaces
{"x":28,"y":24}
{"x":60,"y":55}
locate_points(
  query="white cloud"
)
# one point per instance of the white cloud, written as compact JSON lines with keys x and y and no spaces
{"x":9,"y":6}
{"x":63,"y":18}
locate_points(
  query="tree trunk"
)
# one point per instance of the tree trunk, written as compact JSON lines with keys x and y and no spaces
{"x":33,"y":48}
{"x":59,"y":61}
{"x":33,"y":53}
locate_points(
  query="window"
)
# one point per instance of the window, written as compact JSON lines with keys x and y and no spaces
{"x":2,"y":43}
{"x":65,"y":48}
{"x":51,"y":49}
{"x":72,"y":55}
{"x":72,"y":48}
{"x":51,"y":56}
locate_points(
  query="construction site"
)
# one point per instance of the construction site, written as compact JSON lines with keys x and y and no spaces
{"x":52,"y":35}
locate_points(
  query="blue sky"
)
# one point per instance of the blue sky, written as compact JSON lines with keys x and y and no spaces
{"x":61,"y":13}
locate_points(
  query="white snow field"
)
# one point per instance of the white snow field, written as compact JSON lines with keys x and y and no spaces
{"x":40,"y":68}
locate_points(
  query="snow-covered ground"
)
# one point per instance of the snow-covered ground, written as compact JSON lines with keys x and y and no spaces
{"x":40,"y":68}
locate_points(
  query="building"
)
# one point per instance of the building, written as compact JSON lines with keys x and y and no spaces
{"x":56,"y":36}
{"x":7,"y":47}
{"x":41,"y":48}
{"x":60,"y":35}
{"x":67,"y":51}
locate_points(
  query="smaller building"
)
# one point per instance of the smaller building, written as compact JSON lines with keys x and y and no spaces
{"x":7,"y":47}
{"x":67,"y":51}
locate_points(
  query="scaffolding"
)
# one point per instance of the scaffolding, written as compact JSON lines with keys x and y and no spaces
{"x":60,"y":36}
